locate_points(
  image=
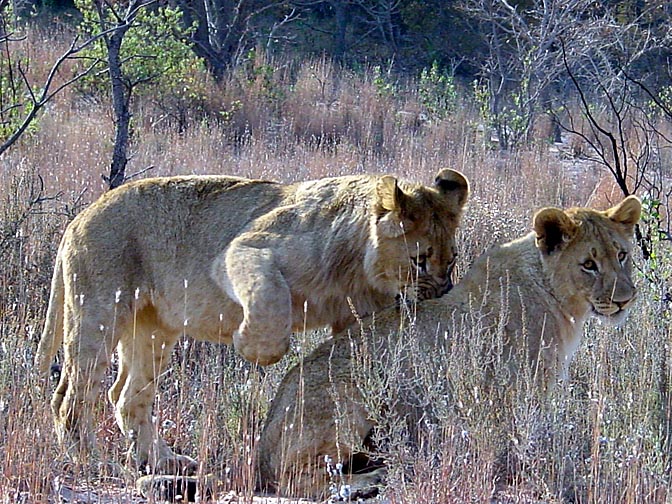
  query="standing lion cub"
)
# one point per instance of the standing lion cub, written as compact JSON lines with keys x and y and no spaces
{"x":521,"y":306}
{"x":227,"y":259}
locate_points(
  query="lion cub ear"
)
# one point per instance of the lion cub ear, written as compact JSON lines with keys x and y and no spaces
{"x":554,"y":229}
{"x":390,"y":195}
{"x":392,"y":203}
{"x":453,"y":184}
{"x":627,"y":212}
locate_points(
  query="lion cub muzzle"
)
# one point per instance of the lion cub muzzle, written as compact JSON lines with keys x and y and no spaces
{"x":620,"y":299}
{"x":614,"y":309}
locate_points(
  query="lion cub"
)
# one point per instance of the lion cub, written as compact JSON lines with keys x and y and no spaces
{"x":522,"y":305}
{"x":227,"y":259}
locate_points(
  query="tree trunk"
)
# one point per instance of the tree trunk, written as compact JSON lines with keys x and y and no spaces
{"x":219,"y":31}
{"x":341,"y":29}
{"x":121,"y":94}
{"x":22,"y":9}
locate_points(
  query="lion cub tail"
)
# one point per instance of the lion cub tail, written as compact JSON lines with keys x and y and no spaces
{"x":52,"y":335}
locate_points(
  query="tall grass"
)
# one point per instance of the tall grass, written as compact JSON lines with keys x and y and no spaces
{"x":603,"y":437}
{"x":292,"y":121}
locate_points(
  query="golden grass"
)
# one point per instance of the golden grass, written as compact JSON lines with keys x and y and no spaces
{"x":611,"y":426}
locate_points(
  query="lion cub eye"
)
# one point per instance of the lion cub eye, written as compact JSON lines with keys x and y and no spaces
{"x":589,"y":265}
{"x":622,"y":256}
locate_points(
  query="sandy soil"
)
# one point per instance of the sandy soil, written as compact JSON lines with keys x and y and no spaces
{"x":114,"y":491}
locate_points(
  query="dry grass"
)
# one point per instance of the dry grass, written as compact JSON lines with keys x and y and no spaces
{"x":610,"y":439}
{"x":602,"y":438}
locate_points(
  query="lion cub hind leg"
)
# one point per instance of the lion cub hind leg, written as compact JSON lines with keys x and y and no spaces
{"x":88,"y":346}
{"x":364,"y":485}
{"x":252,"y":279}
{"x":143,"y":357}
{"x":361,"y":477}
{"x":319,"y":478}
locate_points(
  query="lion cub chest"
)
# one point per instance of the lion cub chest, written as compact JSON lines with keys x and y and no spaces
{"x":336,"y":309}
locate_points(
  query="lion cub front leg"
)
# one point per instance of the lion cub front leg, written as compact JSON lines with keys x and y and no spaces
{"x":253,"y":280}
{"x":143,"y":357}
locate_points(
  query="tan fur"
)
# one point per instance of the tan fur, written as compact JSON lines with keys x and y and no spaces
{"x":226,"y":259}
{"x":533,"y":294}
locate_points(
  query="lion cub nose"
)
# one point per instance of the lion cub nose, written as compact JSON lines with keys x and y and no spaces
{"x":624,"y":293}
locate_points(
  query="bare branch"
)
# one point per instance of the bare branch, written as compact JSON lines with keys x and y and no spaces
{"x":47,"y":93}
{"x":140,"y":172}
{"x":289,"y":18}
{"x":10,"y":229}
{"x":587,"y":110}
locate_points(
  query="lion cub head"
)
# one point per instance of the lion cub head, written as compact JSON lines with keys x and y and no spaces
{"x":414,"y":230}
{"x":589,"y":255}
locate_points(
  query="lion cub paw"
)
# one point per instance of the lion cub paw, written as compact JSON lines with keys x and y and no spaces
{"x":174,"y":488}
{"x":176,"y":464}
{"x":360,"y":487}
{"x":260,"y":349}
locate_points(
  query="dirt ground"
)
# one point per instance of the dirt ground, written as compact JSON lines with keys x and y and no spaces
{"x":116,"y":492}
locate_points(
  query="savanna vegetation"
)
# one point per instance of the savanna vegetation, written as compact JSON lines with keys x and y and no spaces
{"x":538,"y":103}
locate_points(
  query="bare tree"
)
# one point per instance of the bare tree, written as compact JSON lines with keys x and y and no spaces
{"x":607,"y":129}
{"x":22,"y":100}
{"x":115,"y":24}
{"x":226,"y":30}
{"x":523,"y":70}
{"x":615,"y":120}
{"x":380,"y":15}
{"x":10,"y":226}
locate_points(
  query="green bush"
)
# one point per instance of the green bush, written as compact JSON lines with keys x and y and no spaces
{"x":437,"y":91}
{"x":158,"y":63}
